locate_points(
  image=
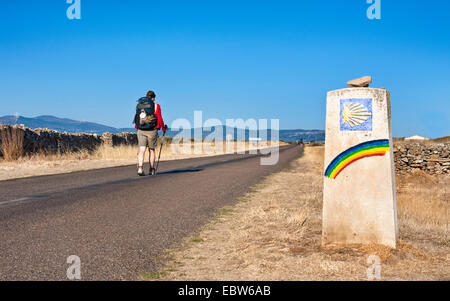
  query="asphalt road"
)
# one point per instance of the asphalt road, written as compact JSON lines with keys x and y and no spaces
{"x":118,"y":224}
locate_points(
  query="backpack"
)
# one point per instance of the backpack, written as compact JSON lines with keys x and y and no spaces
{"x":145,"y":118}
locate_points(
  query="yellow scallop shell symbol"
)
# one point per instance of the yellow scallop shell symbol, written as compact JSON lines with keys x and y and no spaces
{"x":354,"y":114}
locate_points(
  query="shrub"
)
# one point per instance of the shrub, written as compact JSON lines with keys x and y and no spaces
{"x":12,"y":141}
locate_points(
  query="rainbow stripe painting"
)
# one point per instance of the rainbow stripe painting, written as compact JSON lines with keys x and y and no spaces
{"x":355,"y":153}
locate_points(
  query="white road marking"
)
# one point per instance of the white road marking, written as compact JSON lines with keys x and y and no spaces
{"x":14,"y":201}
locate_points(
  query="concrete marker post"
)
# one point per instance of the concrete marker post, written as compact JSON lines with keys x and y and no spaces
{"x":359,"y":202}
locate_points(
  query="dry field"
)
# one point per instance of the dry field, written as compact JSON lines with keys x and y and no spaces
{"x":105,"y":156}
{"x":274,"y":233}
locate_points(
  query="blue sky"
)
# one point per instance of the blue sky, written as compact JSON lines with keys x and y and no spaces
{"x":230,"y":59}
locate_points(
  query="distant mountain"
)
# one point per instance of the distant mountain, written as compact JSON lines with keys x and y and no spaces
{"x":285,"y":135}
{"x":61,"y":124}
{"x":74,"y":126}
{"x":306,"y":135}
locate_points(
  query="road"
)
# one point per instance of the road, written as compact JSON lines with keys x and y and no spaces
{"x":118,"y":224}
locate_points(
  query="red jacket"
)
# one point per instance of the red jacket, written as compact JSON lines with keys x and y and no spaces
{"x":160,"y":121}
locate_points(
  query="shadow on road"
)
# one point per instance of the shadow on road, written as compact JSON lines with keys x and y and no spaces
{"x":180,"y":171}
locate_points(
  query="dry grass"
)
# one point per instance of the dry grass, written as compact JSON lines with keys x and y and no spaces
{"x":274,"y":233}
{"x":11,"y":143}
{"x":424,"y":206}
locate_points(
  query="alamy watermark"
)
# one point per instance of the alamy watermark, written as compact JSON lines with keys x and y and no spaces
{"x":374,"y":10}
{"x":74,"y":270}
{"x":237,"y":136}
{"x":374,"y":270}
{"x":74,"y":10}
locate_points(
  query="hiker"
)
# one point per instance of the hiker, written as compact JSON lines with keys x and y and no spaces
{"x":148,"y":121}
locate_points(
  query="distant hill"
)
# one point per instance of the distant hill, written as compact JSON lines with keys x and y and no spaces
{"x":445,"y":139}
{"x":306,"y":135}
{"x":285,"y":135}
{"x":74,"y":126}
{"x":59,"y":124}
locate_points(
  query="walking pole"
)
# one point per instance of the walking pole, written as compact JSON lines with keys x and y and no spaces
{"x":160,"y":149}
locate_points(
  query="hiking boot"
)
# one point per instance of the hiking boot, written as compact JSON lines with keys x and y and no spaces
{"x":141,"y":171}
{"x":152,"y":171}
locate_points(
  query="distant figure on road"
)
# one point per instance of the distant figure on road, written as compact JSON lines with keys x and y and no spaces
{"x":148,"y":120}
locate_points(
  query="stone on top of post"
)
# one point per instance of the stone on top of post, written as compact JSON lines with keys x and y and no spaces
{"x":362,"y":82}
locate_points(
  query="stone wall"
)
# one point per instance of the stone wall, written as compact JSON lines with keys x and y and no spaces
{"x":433,"y":158}
{"x":50,"y":141}
{"x":119,"y":139}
